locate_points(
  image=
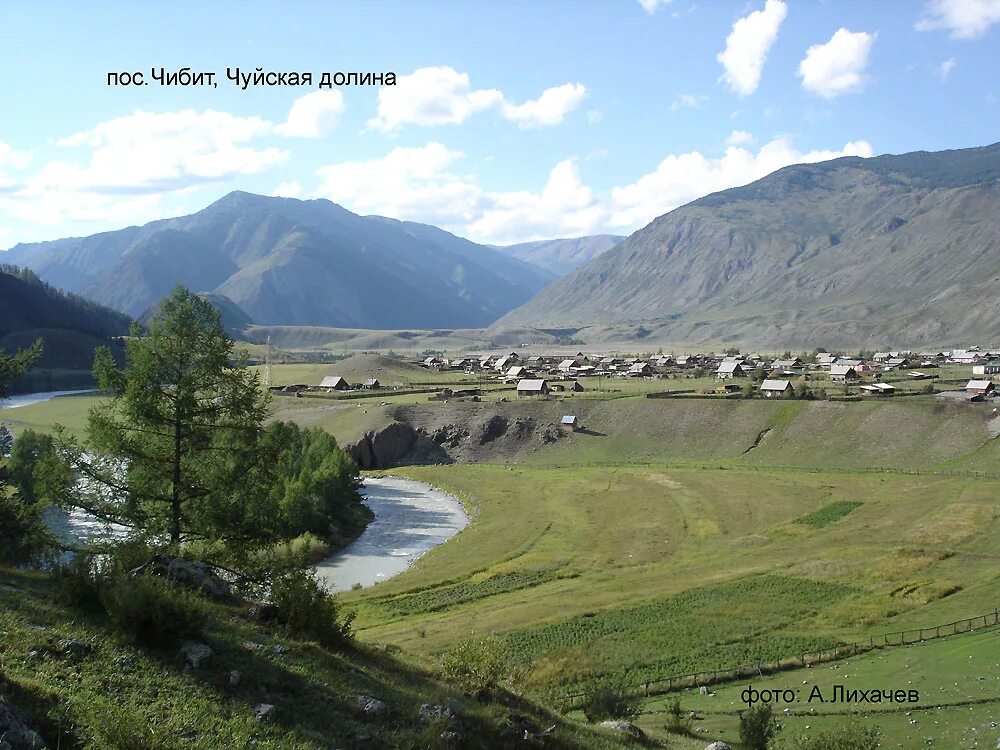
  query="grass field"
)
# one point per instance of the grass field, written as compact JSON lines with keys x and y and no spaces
{"x":956,"y":679}
{"x":651,"y":572}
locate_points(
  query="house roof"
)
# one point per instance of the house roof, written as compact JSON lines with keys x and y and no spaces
{"x":332,"y":381}
{"x":775,"y":385}
{"x":979,"y":385}
{"x":568,"y":419}
{"x":567,"y":363}
{"x":371,"y":381}
{"x":842,"y":370}
{"x":531,"y":385}
{"x":731,"y":366}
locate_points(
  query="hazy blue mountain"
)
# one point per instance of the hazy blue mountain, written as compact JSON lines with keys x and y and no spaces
{"x":285,"y":261}
{"x":564,"y":255}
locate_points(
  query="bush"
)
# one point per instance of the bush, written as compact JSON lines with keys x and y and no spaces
{"x":308,"y":611}
{"x":76,"y":586}
{"x":24,"y":538}
{"x":610,"y":700}
{"x":678,"y":722}
{"x":851,"y":736}
{"x":152,"y":610}
{"x":757,"y":726}
{"x":477,"y":665}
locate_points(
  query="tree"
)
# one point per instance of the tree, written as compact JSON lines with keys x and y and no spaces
{"x":757,"y":726}
{"x":12,"y":366}
{"x":6,"y":441}
{"x":23,"y":534}
{"x":175,"y":455}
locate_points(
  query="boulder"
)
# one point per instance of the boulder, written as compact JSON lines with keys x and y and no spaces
{"x":71,"y":648}
{"x":430,"y":713}
{"x":718,"y":746}
{"x":371,"y":706}
{"x":264,"y":712}
{"x":625,"y":727}
{"x":16,"y":732}
{"x":191,"y":573}
{"x":391,"y":443}
{"x":235,"y":677}
{"x":195,"y":654}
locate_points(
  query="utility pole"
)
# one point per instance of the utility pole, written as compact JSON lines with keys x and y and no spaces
{"x":267,"y":363}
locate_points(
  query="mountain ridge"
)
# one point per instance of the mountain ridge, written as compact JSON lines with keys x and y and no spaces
{"x":287,"y":262}
{"x":888,"y":248}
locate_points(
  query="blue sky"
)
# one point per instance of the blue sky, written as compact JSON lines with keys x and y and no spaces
{"x":511,"y":121}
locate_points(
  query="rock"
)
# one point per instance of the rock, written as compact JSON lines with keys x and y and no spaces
{"x":371,"y":706}
{"x":495,"y":427}
{"x":451,"y":736}
{"x":263,"y":612}
{"x":430,"y":713}
{"x":703,"y":690}
{"x":718,"y":746}
{"x":15,"y":731}
{"x":71,"y":648}
{"x":625,"y":727}
{"x":264,"y":712}
{"x":235,"y":677}
{"x":251,"y":646}
{"x":193,"y":574}
{"x":195,"y":654}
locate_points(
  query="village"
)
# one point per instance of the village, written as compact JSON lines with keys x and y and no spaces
{"x":960,"y":375}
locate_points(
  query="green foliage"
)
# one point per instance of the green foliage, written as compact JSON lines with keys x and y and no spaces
{"x":6,"y":441}
{"x":758,"y":726}
{"x":314,"y":485}
{"x":12,"y":366}
{"x":24,"y":537}
{"x":30,"y":450}
{"x":477,"y":665}
{"x":850,"y":736}
{"x":308,"y":611}
{"x":678,"y":720}
{"x":108,"y":725}
{"x":828,"y":514}
{"x":152,"y":610}
{"x":451,"y":595}
{"x":610,"y":700}
{"x":180,"y":438}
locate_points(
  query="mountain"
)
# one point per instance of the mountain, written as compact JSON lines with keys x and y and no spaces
{"x":902,"y":249}
{"x":290,"y":262}
{"x":70,"y":326}
{"x":561,"y":256}
{"x":234,"y":320}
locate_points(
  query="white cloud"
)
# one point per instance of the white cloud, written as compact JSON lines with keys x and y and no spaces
{"x":431,"y":96}
{"x":287,"y":190}
{"x":548,"y":109}
{"x":739,"y":138}
{"x":691,"y":101}
{"x":595,"y":117}
{"x":651,"y":6}
{"x":748,"y":44}
{"x":681,"y":178}
{"x":122,"y":168}
{"x":11,"y":158}
{"x":945,"y":68}
{"x":443,"y":96}
{"x":426,"y":184}
{"x":965,"y":19}
{"x":313,"y":115}
{"x":421,"y":184}
{"x":837,"y":67}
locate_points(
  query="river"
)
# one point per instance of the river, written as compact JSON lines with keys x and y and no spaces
{"x":27,"y":399}
{"x":410,"y":519}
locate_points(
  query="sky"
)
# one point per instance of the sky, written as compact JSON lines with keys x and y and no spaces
{"x":509,"y":122}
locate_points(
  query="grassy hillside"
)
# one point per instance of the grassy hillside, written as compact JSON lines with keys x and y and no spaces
{"x":113,"y":694}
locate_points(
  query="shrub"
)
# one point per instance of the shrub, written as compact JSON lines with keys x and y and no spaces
{"x":477,"y":664}
{"x":610,"y":700}
{"x":678,"y":722}
{"x":76,"y":586}
{"x":152,"y":610}
{"x":757,"y":726}
{"x":849,"y":736}
{"x":24,"y":538}
{"x":308,"y":611}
